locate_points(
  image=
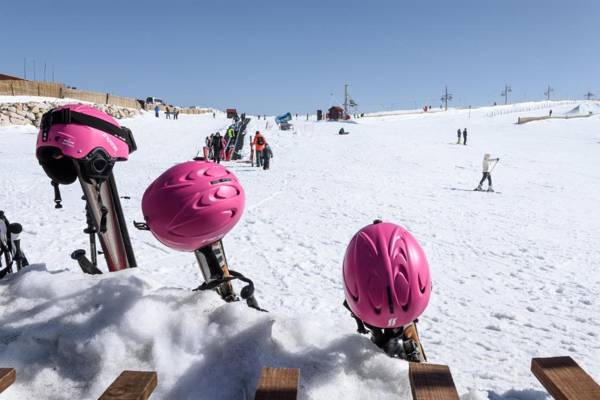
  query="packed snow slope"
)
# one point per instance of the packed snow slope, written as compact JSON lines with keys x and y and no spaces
{"x":515,"y":274}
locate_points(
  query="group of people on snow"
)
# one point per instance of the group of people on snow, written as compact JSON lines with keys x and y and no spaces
{"x":216,"y":147}
{"x":464,"y":135}
{"x":168,"y":112}
{"x":260,"y":151}
{"x":487,"y":162}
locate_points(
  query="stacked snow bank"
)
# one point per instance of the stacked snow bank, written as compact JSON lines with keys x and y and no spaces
{"x":69,"y":335}
{"x":584,"y":109}
{"x":29,"y":112}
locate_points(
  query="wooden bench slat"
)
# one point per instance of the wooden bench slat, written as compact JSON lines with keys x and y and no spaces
{"x":278,"y":384}
{"x":431,"y":382}
{"x":564,"y":379}
{"x":7,"y":378}
{"x":131,"y":385}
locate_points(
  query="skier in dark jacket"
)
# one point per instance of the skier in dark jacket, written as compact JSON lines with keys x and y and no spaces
{"x":217,"y":147}
{"x":458,"y":133}
{"x":267,"y":154}
{"x":465,"y":136}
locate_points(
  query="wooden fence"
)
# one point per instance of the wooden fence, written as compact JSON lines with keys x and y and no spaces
{"x":562,"y":378}
{"x":524,"y":120}
{"x":58,"y":90}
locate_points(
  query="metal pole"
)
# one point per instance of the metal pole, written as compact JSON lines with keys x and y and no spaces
{"x":34,"y":70}
{"x":346,"y":99}
{"x":44,"y":71}
{"x":24,"y":68}
{"x":446,"y":98}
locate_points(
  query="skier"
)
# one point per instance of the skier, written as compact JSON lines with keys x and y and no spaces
{"x":156,"y":111}
{"x":465,"y":136}
{"x":387,"y":286}
{"x":267,"y":154}
{"x":487,"y":172}
{"x":259,"y":144}
{"x":167,"y":112}
{"x":217,"y":147}
{"x":458,"y":133}
{"x":176,"y":113}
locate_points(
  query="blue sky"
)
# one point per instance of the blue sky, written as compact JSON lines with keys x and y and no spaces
{"x":276,"y":56}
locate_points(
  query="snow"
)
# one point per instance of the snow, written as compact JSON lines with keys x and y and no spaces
{"x":515,"y":275}
{"x":585,"y":109}
{"x":27,"y":99}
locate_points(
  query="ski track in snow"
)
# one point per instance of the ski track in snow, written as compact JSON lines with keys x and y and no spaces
{"x":515,"y":275}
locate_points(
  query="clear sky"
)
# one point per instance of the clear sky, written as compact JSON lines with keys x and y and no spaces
{"x":276,"y":56}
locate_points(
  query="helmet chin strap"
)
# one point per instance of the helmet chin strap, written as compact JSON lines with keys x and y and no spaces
{"x":391,"y":340}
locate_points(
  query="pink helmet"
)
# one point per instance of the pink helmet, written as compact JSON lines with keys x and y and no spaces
{"x":193,"y":204}
{"x":386,"y":276}
{"x":84,"y":133}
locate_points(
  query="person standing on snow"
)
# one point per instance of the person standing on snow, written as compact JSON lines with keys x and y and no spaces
{"x":465,"y":136}
{"x":259,"y":143}
{"x":208,"y":145}
{"x":156,"y":111}
{"x":267,"y":154}
{"x":458,"y":133}
{"x":487,"y":159}
{"x":167,"y":112}
{"x":217,"y":147}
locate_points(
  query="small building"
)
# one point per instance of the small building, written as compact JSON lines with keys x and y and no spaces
{"x":335,"y":113}
{"x":4,"y":77}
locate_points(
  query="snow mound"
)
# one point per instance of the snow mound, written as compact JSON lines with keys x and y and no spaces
{"x":584,"y":109}
{"x":82,"y":331}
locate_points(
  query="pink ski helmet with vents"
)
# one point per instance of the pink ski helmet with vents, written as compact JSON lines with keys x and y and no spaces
{"x":193,"y":204}
{"x":386,"y":276}
{"x":82,"y":133}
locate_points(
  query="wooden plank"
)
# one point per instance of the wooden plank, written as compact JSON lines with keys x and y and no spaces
{"x":431,"y":382}
{"x":131,"y":385}
{"x":278,"y":384}
{"x":7,"y":378}
{"x":564,"y":379}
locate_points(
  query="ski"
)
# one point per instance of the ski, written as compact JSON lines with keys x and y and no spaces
{"x":214,"y":267}
{"x":10,"y":246}
{"x":105,"y":142}
{"x":217,"y":275}
{"x":473,"y":190}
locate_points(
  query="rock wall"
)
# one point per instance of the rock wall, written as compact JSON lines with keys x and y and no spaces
{"x":30,"y":113}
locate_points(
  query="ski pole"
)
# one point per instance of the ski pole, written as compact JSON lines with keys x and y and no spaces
{"x":496,"y":163}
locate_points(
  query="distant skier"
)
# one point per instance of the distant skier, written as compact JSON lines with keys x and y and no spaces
{"x":214,"y":115}
{"x":176,"y":113}
{"x":167,"y":112}
{"x":550,"y":113}
{"x":156,"y":111}
{"x":487,"y":160}
{"x":259,"y":143}
{"x":458,"y":133}
{"x":217,"y":147}
{"x":465,"y":136}
{"x":267,"y":154}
